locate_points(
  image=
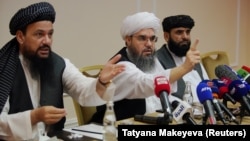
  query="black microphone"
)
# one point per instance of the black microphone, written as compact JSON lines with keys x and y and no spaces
{"x":204,"y":94}
{"x":238,"y":90}
{"x":162,"y":89}
{"x":150,"y":119}
{"x":229,"y":113}
{"x":182,"y":112}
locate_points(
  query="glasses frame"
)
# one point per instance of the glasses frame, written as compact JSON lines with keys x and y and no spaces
{"x":144,"y":39}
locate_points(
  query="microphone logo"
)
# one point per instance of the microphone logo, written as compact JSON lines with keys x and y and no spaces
{"x":206,"y":89}
{"x":178,"y":112}
{"x":161,"y":80}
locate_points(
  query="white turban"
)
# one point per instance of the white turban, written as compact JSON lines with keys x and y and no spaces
{"x":142,"y":20}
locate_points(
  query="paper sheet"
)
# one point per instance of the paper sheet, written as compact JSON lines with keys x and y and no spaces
{"x":90,"y":130}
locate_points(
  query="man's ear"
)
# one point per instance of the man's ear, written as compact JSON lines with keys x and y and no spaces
{"x":166,"y":36}
{"x":20,"y":37}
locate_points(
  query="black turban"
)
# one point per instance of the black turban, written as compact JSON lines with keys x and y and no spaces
{"x":177,"y":21}
{"x":33,"y":13}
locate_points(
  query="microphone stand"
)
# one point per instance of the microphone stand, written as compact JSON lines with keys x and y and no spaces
{"x":167,"y":117}
{"x":228,"y":112}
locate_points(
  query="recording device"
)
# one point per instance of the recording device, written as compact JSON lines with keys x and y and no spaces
{"x":150,"y":119}
{"x":182,"y":112}
{"x":204,"y":94}
{"x":162,"y":90}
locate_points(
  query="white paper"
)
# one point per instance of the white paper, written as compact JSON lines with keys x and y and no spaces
{"x":90,"y":130}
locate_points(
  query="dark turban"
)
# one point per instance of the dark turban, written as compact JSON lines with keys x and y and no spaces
{"x":33,"y":13}
{"x":177,"y":21}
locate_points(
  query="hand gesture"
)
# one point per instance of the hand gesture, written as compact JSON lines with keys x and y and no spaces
{"x":47,"y":114}
{"x":111,"y":69}
{"x":192,"y":56}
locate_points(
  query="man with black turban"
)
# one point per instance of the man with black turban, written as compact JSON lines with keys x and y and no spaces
{"x":139,"y":32}
{"x":177,"y":30}
{"x":33,"y":78}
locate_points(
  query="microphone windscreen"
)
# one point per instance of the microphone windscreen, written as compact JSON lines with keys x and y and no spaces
{"x":161,"y":84}
{"x":237,"y":89}
{"x":214,"y":89}
{"x":246,"y":68}
{"x":204,"y":92}
{"x":219,"y":83}
{"x":222,"y":71}
{"x":222,"y":90}
{"x":242,"y":73}
{"x":175,"y":103}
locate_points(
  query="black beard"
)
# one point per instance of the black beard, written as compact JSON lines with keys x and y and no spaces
{"x":145,"y":64}
{"x":37,"y":64}
{"x":40,"y":64}
{"x":177,"y":49}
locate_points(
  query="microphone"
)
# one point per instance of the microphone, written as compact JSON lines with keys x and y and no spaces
{"x":238,"y":90}
{"x":223,"y":91}
{"x":204,"y":94}
{"x":150,"y":119}
{"x":162,"y":89}
{"x":246,"y":68}
{"x":229,"y":113}
{"x":182,"y":112}
{"x":216,"y":104}
{"x":244,"y":75}
{"x":225,"y":74}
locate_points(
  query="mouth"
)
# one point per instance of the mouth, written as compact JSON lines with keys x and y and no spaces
{"x":44,"y":51}
{"x":147,"y":52}
{"x":184,"y":43}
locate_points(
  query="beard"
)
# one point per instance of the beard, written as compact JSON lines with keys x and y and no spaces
{"x":37,"y":63}
{"x":178,"y":49}
{"x":144,"y":63}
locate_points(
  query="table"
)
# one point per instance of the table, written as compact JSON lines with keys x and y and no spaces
{"x":245,"y":119}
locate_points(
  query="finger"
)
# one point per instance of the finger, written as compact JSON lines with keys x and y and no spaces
{"x":194,"y":46}
{"x":115,"y":59}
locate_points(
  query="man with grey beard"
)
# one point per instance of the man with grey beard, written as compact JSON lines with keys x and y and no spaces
{"x":134,"y":93}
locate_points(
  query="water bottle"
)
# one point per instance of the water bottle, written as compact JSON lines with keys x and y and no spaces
{"x":109,"y":128}
{"x":188,"y":96}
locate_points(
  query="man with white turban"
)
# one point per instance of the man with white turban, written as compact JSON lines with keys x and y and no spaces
{"x":139,"y":31}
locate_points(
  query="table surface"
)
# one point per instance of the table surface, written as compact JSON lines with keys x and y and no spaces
{"x":245,"y":119}
{"x":66,"y":136}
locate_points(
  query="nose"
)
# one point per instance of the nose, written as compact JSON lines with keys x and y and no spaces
{"x":149,"y":42}
{"x":47,"y":40}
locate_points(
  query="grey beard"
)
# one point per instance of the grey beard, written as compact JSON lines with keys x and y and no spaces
{"x":145,"y":64}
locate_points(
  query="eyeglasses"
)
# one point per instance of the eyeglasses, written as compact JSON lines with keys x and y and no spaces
{"x":142,"y":38}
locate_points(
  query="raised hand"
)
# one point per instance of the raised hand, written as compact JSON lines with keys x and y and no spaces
{"x":111,"y":69}
{"x":193,"y":56}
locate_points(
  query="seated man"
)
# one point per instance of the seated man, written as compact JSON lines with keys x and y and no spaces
{"x":139,"y":31}
{"x":33,"y":78}
{"x":177,"y":34}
